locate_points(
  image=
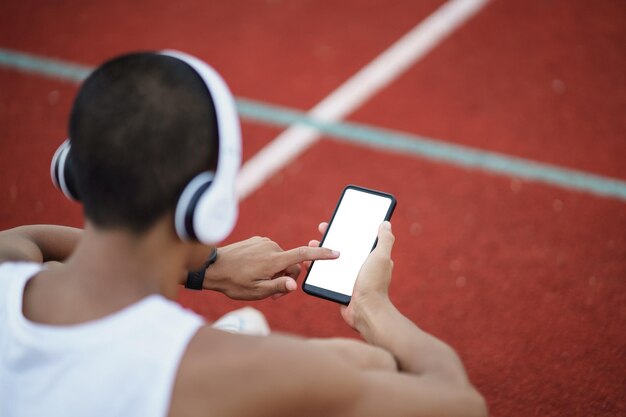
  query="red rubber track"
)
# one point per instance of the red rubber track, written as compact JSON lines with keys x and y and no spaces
{"x":525,"y":281}
{"x":538,"y":79}
{"x":285,"y":52}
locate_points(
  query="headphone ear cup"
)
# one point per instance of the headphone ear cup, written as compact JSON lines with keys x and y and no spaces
{"x":62,"y":173}
{"x":215,"y":214}
{"x":205,"y":211}
{"x":187,"y":206}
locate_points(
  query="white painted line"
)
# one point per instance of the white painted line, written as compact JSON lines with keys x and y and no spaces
{"x":355,"y":91}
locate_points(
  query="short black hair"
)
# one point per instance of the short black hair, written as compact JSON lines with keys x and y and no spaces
{"x":142,"y":126}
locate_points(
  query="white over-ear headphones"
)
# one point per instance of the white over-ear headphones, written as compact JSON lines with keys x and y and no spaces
{"x":207,"y":208}
{"x":61,"y":171}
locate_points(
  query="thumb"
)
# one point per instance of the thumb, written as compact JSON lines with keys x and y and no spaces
{"x":385,"y":239}
{"x":277,"y":287}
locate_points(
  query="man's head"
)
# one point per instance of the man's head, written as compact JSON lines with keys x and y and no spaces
{"x":142,"y":126}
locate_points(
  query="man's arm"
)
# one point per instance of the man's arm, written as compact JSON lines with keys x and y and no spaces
{"x":373,"y":315}
{"x":281,"y":376}
{"x":246,"y":376}
{"x":357,"y":353}
{"x":253,"y":269}
{"x":38,"y":243}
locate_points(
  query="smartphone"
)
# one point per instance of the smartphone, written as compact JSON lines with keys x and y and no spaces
{"x":353,"y":231}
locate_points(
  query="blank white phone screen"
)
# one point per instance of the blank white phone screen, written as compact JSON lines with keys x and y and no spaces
{"x":353,"y":232}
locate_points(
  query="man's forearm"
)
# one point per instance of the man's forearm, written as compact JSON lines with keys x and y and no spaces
{"x":359,"y":354}
{"x":416,"y":351}
{"x":38,"y":243}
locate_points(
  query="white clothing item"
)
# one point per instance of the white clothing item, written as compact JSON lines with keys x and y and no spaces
{"x":246,"y":320}
{"x":124,"y":364}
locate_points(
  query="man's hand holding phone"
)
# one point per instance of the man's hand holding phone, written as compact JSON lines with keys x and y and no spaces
{"x":432,"y":374}
{"x":372,"y":285}
{"x":371,"y":290}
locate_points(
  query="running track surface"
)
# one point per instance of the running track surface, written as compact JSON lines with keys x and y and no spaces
{"x":525,"y":280}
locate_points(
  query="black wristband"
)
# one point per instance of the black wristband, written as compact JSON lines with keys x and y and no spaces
{"x":195,"y":279}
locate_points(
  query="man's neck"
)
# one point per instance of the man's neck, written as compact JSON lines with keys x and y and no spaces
{"x":108,"y":271}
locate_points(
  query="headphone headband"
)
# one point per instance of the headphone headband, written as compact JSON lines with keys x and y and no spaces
{"x":215,"y":211}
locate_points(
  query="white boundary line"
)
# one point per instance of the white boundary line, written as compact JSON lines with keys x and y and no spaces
{"x":359,"y":134}
{"x":379,"y":73}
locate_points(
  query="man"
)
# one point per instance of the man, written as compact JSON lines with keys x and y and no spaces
{"x":98,"y":335}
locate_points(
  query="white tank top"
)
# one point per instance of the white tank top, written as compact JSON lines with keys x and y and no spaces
{"x":122,"y":365}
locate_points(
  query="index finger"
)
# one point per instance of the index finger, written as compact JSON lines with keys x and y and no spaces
{"x":306,"y":253}
{"x":385,"y":239}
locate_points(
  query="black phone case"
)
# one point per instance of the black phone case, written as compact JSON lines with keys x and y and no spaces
{"x":332,"y":295}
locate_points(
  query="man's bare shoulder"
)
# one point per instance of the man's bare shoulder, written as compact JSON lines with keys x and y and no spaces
{"x":233,"y":374}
